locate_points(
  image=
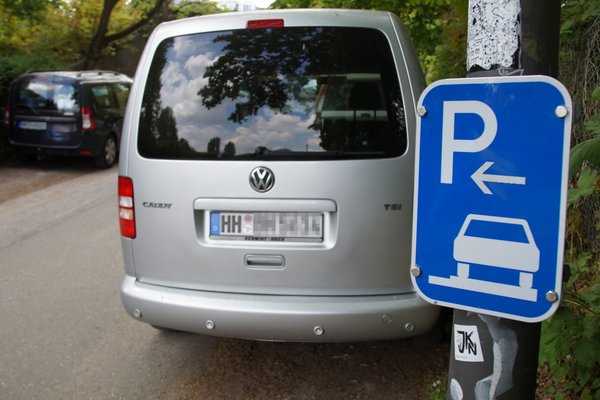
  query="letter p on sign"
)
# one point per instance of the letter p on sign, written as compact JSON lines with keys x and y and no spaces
{"x":451,"y":145}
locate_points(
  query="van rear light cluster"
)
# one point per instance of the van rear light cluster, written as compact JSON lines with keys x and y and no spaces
{"x":87,"y":119}
{"x":265,"y":23}
{"x":7,"y":114}
{"x":126,"y":209}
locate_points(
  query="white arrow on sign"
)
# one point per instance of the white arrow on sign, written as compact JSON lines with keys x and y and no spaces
{"x":480,"y":177}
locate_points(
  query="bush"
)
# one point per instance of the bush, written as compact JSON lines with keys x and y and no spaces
{"x":569,"y":346}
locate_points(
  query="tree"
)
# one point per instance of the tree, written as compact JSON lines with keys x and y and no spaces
{"x":229,"y":150}
{"x":214,"y":146}
{"x":195,"y":8}
{"x":448,"y":58}
{"x":267,"y":81}
{"x":30,"y":10}
{"x":429,"y":23}
{"x":67,"y":34}
{"x":102,"y":38}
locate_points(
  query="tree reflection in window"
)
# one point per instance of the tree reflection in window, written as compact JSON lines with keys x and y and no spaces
{"x":266,"y":67}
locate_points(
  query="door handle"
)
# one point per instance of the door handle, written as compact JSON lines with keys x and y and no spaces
{"x":266,"y":261}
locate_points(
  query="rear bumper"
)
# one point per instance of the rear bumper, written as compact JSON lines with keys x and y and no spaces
{"x":90,"y":145}
{"x":279,"y":318}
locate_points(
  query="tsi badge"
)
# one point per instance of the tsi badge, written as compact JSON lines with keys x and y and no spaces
{"x":490,"y":195}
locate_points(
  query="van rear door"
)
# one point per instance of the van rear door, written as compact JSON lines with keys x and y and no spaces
{"x":46,"y":111}
{"x":273,"y":160}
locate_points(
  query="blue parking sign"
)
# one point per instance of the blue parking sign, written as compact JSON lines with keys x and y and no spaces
{"x":490,"y":195}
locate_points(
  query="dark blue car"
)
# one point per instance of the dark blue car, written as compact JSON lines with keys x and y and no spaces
{"x":68,"y":114}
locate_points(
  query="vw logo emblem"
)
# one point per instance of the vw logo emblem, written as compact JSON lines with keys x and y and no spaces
{"x":262,"y":179}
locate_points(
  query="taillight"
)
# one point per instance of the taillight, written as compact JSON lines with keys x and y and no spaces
{"x":7,"y":114}
{"x":265,"y":23}
{"x":87,"y":119}
{"x":126,"y":210}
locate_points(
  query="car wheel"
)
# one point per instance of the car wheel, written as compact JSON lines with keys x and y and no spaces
{"x":108,"y":153}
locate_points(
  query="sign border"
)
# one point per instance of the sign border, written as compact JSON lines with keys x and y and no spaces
{"x":563,"y":190}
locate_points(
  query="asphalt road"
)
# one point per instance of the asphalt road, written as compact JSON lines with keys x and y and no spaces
{"x":64,"y":334}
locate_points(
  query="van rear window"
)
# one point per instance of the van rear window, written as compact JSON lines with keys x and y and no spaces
{"x":103,"y":96}
{"x":46,"y":94}
{"x":284,"y":93}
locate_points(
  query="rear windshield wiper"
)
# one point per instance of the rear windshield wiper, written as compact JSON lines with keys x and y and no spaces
{"x":263,"y":153}
{"x":22,"y":105}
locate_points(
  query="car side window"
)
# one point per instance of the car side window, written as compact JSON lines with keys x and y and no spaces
{"x":122,"y":93}
{"x":103,"y":97}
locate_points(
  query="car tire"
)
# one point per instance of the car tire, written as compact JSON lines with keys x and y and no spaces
{"x":108,"y":153}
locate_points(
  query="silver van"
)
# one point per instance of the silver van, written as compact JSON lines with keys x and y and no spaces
{"x":266,"y":178}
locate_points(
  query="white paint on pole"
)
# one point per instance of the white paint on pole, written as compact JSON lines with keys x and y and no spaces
{"x":493,"y":33}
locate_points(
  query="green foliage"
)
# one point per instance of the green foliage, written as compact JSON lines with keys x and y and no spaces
{"x":61,"y":30}
{"x":438,"y":391}
{"x":293,"y":4}
{"x":30,"y":10}
{"x":594,"y":123}
{"x":579,"y":61}
{"x":448,"y":60}
{"x":14,"y":65}
{"x":570,"y":346}
{"x":437,"y":28}
{"x":588,"y":150}
{"x":195,"y":8}
{"x":571,"y":338}
{"x":575,"y":14}
{"x":585,"y":186}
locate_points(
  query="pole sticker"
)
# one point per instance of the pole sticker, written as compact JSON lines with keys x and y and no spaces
{"x":467,"y":346}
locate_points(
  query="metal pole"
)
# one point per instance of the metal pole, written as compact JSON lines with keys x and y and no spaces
{"x":540,"y":26}
{"x":491,"y":357}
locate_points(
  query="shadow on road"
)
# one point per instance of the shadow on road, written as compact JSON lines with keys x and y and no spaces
{"x":49,"y":163}
{"x":240,"y":369}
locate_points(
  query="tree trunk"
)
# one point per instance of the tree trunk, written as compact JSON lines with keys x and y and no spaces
{"x":97,"y":43}
{"x":101,"y":39}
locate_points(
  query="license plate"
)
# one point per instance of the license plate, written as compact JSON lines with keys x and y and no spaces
{"x":273,"y":226}
{"x":33,"y":125}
